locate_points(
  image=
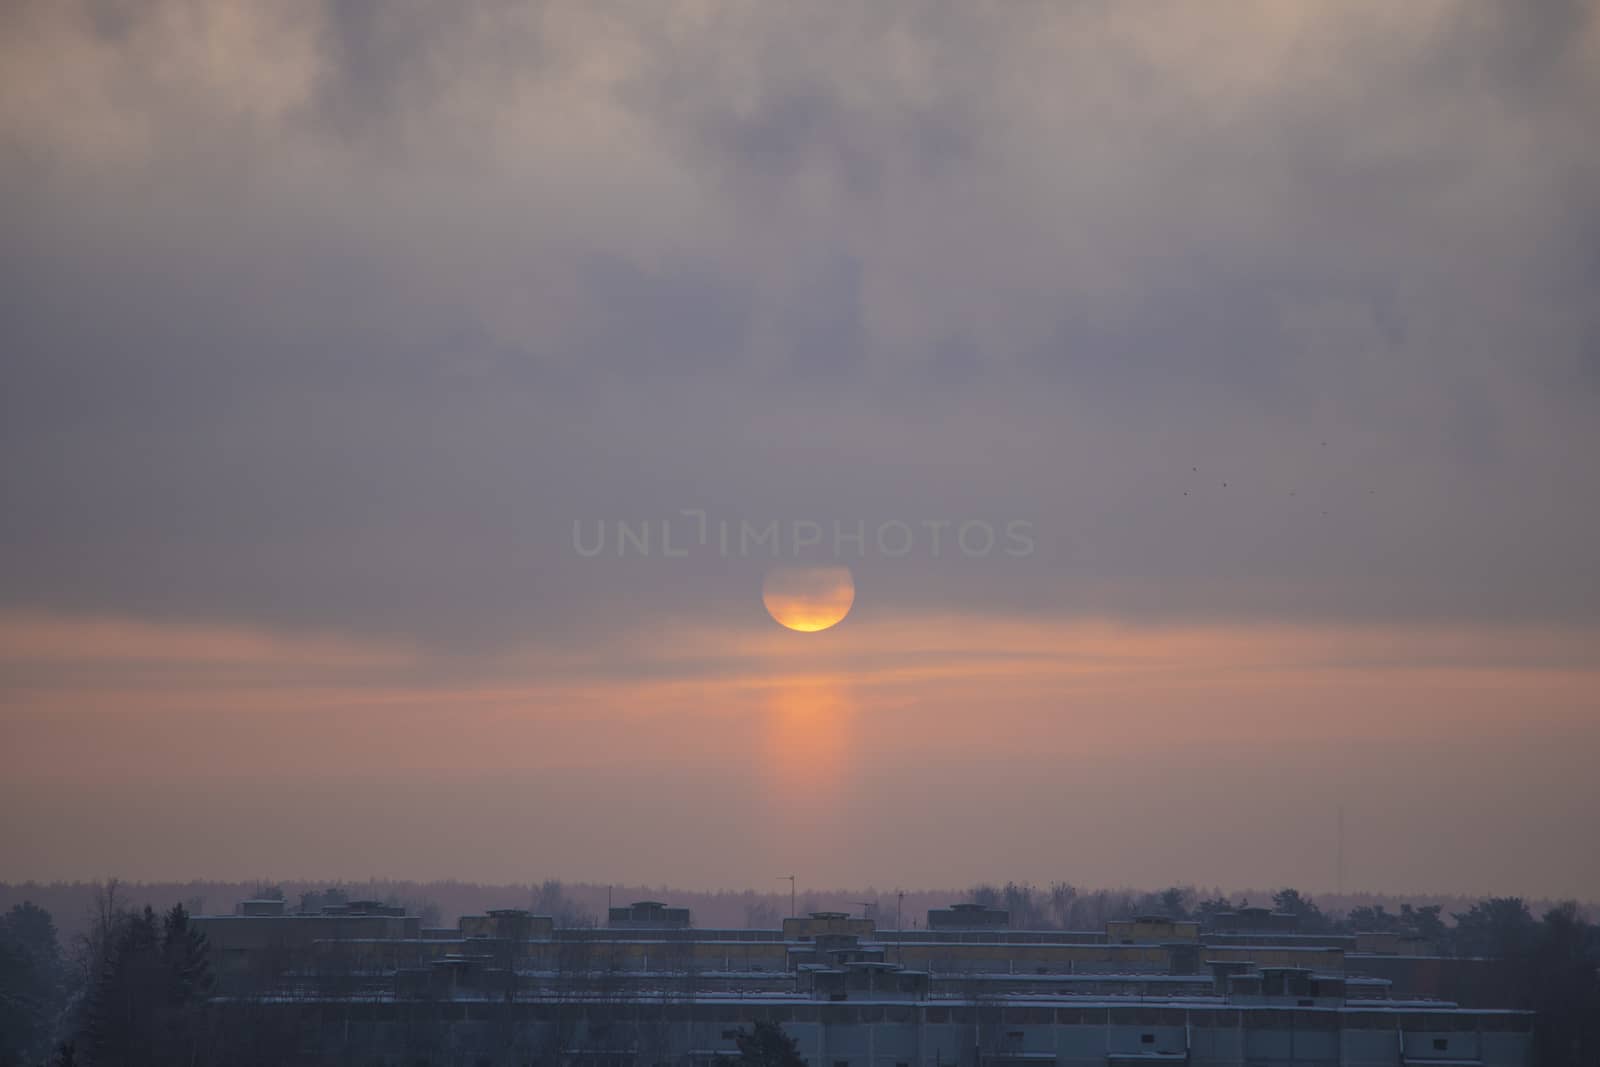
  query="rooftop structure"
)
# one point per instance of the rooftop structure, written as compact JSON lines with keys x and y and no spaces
{"x":648,"y":915}
{"x":968,"y":917}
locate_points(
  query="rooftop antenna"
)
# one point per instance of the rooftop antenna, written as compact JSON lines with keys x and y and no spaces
{"x":1339,"y":854}
{"x":790,"y":877}
{"x":899,"y":899}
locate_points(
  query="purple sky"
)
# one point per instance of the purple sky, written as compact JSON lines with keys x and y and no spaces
{"x":1274,"y":326}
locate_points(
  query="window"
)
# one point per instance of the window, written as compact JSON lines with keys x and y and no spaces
{"x":1441,"y":1043}
{"x":1147,"y":1039}
{"x":729,"y":1035}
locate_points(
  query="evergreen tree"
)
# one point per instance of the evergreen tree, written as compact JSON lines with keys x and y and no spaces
{"x":1424,"y":921}
{"x":1497,"y":928}
{"x":1564,"y":988}
{"x":188,"y":981}
{"x":127,"y":1000}
{"x":30,"y":983}
{"x":766,"y":1045}
{"x":183,"y":950}
{"x":1208,"y":910}
{"x":1175,"y":902}
{"x":1372,"y":918}
{"x":1311,"y":918}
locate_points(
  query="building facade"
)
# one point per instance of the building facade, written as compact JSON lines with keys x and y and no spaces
{"x":512,"y":987}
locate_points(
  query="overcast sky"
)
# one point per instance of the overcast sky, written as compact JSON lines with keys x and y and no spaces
{"x":1274,"y":326}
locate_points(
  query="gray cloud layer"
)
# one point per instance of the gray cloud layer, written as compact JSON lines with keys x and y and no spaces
{"x":341,"y":315}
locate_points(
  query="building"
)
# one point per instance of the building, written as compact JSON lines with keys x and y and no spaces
{"x":648,"y":915}
{"x":968,"y":917}
{"x":1256,"y":920}
{"x":649,"y":990}
{"x":1151,"y":929}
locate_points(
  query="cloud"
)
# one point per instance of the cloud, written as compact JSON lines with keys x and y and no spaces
{"x":338,"y":319}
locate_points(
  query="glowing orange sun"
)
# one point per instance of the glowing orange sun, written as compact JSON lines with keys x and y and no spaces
{"x":808,"y":599}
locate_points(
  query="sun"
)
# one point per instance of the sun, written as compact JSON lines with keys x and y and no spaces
{"x":808,"y":599}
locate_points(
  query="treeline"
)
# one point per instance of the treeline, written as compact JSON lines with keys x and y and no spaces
{"x":133,"y":989}
{"x":584,"y":903}
{"x":1493,"y":927}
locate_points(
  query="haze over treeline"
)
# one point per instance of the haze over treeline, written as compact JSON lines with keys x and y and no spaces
{"x":1059,"y":904}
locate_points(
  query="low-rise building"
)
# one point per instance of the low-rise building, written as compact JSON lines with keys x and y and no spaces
{"x":650,"y":990}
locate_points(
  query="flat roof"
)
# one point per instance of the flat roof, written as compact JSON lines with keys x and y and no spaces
{"x":1197,"y":1003}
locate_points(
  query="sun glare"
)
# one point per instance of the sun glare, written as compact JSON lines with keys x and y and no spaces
{"x":808,"y":599}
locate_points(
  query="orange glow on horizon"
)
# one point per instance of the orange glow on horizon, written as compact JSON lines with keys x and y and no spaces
{"x":768,"y":737}
{"x":808,"y":742}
